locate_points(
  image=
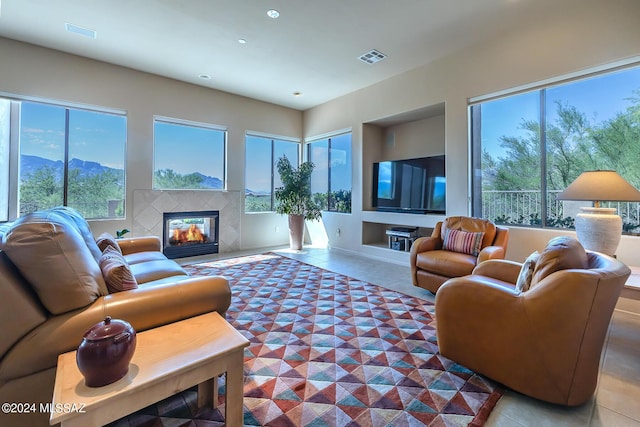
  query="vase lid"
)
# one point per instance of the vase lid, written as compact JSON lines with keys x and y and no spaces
{"x":108,"y":328}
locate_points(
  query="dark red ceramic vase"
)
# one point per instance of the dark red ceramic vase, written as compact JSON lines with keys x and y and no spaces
{"x":105,"y":352}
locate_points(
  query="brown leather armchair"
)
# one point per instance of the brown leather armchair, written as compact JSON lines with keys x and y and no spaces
{"x":545,"y":342}
{"x":431,"y":265}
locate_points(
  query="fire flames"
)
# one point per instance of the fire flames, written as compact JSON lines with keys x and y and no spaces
{"x":189,"y":235}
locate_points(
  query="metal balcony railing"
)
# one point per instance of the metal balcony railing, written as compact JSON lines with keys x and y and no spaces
{"x":524,"y":207}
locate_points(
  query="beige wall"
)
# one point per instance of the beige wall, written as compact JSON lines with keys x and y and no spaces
{"x":27,"y":70}
{"x":418,"y":138}
{"x":602,"y":32}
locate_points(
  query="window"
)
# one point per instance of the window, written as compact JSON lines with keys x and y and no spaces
{"x":528,"y":147}
{"x":5,"y":144}
{"x":65,"y":156}
{"x":188,"y":155}
{"x":331,"y":177}
{"x":261,"y":173}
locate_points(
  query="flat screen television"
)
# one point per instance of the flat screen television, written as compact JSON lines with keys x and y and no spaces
{"x":410,"y":185}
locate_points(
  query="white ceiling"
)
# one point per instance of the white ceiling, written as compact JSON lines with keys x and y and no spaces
{"x":312,"y":48}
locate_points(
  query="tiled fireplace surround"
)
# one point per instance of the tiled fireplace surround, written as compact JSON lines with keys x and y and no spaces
{"x":148,"y":206}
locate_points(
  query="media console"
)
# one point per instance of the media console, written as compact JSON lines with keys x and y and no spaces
{"x":401,"y":238}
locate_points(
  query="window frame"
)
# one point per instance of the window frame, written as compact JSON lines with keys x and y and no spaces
{"x":194,"y":124}
{"x":272,"y":140}
{"x":16,"y":101}
{"x":540,"y":87}
{"x":328,"y":137}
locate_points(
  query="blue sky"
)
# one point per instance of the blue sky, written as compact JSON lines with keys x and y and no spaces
{"x":340,"y":163}
{"x":258,"y":162}
{"x":189,"y":149}
{"x":600,"y":98}
{"x":93,"y":136}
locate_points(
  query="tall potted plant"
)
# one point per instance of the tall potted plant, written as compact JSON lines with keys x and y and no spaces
{"x":295,"y":199}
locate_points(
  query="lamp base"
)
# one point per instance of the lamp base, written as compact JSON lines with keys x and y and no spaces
{"x":599,"y":229}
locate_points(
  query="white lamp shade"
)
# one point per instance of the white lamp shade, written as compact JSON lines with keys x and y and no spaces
{"x":600,"y":185}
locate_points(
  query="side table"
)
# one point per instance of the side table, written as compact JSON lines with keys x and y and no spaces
{"x":167,"y":360}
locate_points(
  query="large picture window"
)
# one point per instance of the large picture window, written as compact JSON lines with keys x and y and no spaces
{"x":528,"y":147}
{"x":188,"y":155}
{"x":63,"y":157}
{"x":331,"y":177}
{"x":261,"y":174}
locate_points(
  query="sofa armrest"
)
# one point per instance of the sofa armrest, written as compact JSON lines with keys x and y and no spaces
{"x":476,"y":306}
{"x":152,"y":306}
{"x":483,"y":326}
{"x":145,"y":308}
{"x":425,"y":244}
{"x":131,"y":245}
{"x":422,"y":244}
{"x":501,"y":269}
{"x":491,"y":252}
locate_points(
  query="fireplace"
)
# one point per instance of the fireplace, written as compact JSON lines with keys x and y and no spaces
{"x":188,"y":234}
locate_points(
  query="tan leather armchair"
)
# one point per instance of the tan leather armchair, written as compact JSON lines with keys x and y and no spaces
{"x":37,"y":326}
{"x":545,"y":342}
{"x":431,"y":265}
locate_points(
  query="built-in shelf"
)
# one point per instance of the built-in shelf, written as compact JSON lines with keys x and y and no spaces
{"x":375,"y":225}
{"x":410,"y":134}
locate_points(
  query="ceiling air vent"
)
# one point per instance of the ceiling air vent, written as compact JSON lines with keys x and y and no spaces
{"x":372,"y":56}
{"x":76,"y":29}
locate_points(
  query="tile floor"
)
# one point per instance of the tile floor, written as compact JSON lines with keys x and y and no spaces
{"x":616,"y":402}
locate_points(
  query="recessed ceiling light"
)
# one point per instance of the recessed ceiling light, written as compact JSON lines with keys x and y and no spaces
{"x":242,"y":41}
{"x":76,"y":29}
{"x":205,"y":76}
{"x":272,"y":13}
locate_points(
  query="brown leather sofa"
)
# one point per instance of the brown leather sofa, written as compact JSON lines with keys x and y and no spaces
{"x":52,"y":291}
{"x":431,"y":265}
{"x":545,"y":342}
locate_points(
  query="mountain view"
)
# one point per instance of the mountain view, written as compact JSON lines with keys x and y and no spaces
{"x":30,"y":164}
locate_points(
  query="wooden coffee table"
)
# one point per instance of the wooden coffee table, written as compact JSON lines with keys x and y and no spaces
{"x":167,"y":360}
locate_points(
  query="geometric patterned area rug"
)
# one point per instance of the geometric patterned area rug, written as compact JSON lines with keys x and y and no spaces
{"x":329,"y":350}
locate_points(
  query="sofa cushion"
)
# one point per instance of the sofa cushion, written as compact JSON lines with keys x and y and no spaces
{"x":473,"y":225}
{"x":149,"y":271}
{"x":462,"y":241}
{"x":52,"y":255}
{"x":561,"y":253}
{"x":116,"y":271}
{"x":82,"y":226}
{"x":526,"y":272}
{"x":446,"y":263}
{"x":144,"y":256}
{"x":105,"y":240}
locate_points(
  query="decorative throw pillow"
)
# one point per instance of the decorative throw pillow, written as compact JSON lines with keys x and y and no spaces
{"x":106,"y":239}
{"x":462,"y":241}
{"x":116,"y":271}
{"x":526,"y":272}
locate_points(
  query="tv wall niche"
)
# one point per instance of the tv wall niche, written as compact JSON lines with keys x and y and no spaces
{"x":415,"y":185}
{"x":407,"y":136}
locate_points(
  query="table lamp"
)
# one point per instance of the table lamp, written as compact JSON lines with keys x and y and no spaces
{"x":599,"y":229}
